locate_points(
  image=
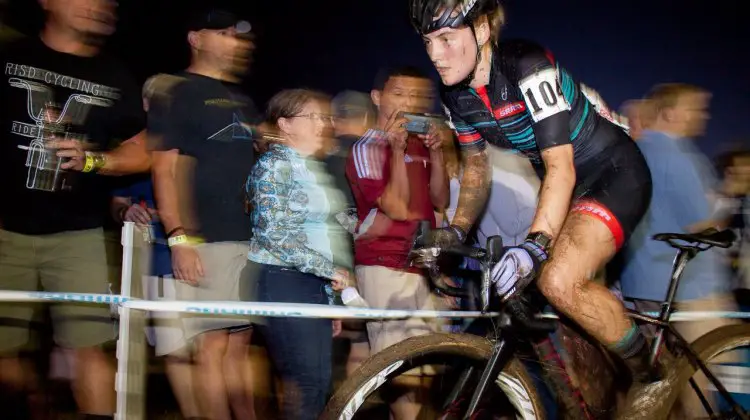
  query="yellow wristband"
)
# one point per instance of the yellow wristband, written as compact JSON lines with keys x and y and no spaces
{"x":100,"y":160}
{"x":88,"y":166}
{"x":183,"y":240}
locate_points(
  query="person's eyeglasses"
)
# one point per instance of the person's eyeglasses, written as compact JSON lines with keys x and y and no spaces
{"x":326,"y":118}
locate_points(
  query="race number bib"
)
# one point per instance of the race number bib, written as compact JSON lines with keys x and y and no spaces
{"x":543,"y":94}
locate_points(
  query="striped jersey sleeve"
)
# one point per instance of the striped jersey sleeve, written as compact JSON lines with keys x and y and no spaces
{"x":368,"y":169}
{"x":469,"y":138}
{"x":368,"y":155}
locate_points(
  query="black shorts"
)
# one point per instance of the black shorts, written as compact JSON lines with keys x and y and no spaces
{"x":615,"y":188}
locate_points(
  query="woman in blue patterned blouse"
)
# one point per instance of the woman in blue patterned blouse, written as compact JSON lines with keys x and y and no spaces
{"x":298,"y":245}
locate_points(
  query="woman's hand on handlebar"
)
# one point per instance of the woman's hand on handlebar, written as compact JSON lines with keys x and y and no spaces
{"x":443,"y":238}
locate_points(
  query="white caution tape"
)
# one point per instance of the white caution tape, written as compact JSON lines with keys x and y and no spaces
{"x":299,"y":310}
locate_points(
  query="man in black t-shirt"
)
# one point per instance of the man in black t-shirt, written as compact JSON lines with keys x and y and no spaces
{"x":204,"y":151}
{"x":69,"y":115}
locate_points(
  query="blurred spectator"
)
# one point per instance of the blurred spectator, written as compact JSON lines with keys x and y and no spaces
{"x":683,"y":181}
{"x":353,"y":114}
{"x":640,"y":116}
{"x":397,"y":179}
{"x":294,"y":247}
{"x":61,"y":93}
{"x":512,"y":201}
{"x":733,"y":209}
{"x":135,"y":203}
{"x":204,"y":151}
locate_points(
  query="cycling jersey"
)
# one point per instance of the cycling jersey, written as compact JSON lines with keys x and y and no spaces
{"x":532,"y":104}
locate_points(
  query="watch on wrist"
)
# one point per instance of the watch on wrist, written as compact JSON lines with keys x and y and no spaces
{"x":541,"y":239}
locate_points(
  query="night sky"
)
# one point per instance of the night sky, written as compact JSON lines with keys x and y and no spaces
{"x":620,"y":49}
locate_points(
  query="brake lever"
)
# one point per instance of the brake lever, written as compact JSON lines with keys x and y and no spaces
{"x":494,"y":253}
{"x":484,"y":292}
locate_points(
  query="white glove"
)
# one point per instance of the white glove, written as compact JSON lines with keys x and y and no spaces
{"x":514,"y":271}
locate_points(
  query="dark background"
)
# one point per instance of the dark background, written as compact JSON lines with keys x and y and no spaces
{"x":620,"y":49}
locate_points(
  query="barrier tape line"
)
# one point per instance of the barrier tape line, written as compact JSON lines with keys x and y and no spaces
{"x":271,"y":309}
{"x":236,"y":308}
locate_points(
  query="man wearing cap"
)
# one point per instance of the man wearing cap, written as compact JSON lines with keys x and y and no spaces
{"x":69,"y":115}
{"x":203,"y":153}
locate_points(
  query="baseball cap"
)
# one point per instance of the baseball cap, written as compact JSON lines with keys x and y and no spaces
{"x":352,"y":104}
{"x":219,"y":19}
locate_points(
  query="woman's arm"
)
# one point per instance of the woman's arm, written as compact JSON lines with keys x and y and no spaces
{"x":475,"y":189}
{"x":278,"y":225}
{"x":543,"y":95}
{"x":557,"y":190}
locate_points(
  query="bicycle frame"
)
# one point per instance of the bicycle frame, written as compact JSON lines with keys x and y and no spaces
{"x":684,"y":255}
{"x":505,"y":346}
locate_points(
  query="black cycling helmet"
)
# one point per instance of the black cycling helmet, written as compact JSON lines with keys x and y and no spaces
{"x":430,"y":15}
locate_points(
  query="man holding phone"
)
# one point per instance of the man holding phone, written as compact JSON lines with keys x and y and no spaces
{"x":397,"y":178}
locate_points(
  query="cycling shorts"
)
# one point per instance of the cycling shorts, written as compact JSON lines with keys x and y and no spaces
{"x":615,"y":188}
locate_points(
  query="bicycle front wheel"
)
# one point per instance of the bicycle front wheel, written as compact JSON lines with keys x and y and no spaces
{"x":450,"y":357}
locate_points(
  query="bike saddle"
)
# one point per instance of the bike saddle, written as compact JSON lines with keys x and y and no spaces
{"x":712,"y":237}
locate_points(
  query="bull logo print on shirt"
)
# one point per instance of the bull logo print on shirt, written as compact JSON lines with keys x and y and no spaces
{"x":49,"y":120}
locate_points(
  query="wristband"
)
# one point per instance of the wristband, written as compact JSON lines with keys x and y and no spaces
{"x":173,"y":231}
{"x":183,"y":240}
{"x":177,"y":240}
{"x":459,"y":232}
{"x":94,"y":162}
{"x":88,"y":164}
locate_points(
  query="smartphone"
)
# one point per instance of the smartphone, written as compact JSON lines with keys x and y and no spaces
{"x":421,"y":123}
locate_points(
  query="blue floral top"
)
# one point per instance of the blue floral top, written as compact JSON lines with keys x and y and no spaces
{"x":293,"y":202}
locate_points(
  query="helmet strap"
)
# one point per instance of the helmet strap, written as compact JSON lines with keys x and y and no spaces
{"x":477,"y":60}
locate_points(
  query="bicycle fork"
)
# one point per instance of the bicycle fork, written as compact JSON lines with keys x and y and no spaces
{"x":502,"y":352}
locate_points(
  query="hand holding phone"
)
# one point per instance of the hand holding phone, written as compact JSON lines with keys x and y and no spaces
{"x":428,"y":128}
{"x":421,"y":123}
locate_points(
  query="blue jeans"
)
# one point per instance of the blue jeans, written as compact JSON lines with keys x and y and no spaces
{"x":300,"y":348}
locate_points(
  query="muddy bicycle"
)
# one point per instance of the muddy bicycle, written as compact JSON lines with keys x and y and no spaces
{"x":488,"y":373}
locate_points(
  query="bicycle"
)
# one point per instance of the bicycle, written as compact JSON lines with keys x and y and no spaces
{"x":479,"y":362}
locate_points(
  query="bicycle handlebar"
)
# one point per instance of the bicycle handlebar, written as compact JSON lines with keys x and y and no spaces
{"x":461,"y":250}
{"x":519,"y":312}
{"x":526,"y":319}
{"x":444,"y":288}
{"x":486,"y":257}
